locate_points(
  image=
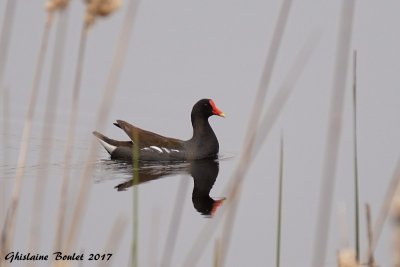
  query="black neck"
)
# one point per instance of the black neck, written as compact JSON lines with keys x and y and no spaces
{"x":204,"y":143}
{"x":201,"y":127}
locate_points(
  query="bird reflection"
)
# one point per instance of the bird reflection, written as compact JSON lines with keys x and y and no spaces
{"x":204,"y":173}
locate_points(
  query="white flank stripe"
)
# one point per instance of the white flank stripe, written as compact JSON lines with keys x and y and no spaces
{"x":156,"y":148}
{"x":174,"y":150}
{"x":166,"y":150}
{"x":107,"y":146}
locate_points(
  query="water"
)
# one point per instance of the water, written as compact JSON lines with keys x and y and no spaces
{"x":111,"y":196}
{"x":182,"y":51}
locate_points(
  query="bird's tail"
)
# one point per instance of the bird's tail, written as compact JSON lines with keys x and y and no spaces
{"x":110,"y":144}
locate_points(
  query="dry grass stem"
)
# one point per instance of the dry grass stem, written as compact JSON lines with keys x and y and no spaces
{"x":393,"y":187}
{"x":108,"y":93}
{"x":285,"y":90}
{"x":334,"y":133}
{"x":170,"y":242}
{"x":4,"y":183}
{"x":347,"y":258}
{"x":5,"y":36}
{"x":47,"y":132}
{"x":9,"y":225}
{"x":396,"y":230}
{"x":154,"y":238}
{"x":343,"y":226}
{"x":72,"y":120}
{"x":114,"y":239}
{"x":227,"y":228}
{"x":370,"y":252}
{"x":70,"y":135}
{"x":266,"y":75}
{"x":266,"y":124}
{"x":217,"y":253}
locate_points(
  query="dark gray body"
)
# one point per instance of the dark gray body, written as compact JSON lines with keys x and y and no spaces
{"x":154,"y":147}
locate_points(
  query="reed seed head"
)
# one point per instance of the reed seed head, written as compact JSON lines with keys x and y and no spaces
{"x":95,"y":8}
{"x":347,"y":258}
{"x":53,"y":5}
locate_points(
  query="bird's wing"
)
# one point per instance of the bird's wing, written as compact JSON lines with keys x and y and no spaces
{"x":147,"y":138}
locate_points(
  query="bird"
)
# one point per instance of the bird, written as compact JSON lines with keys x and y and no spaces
{"x":148,"y":146}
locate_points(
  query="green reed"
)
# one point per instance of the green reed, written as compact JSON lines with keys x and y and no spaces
{"x":135,"y":199}
{"x":356,"y":188}
{"x":279,"y":210}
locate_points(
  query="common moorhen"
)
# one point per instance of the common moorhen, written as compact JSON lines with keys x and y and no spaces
{"x":152,"y":146}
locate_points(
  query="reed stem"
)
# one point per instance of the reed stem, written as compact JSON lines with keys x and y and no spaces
{"x":217,"y":253}
{"x":279,"y":217}
{"x":5,"y":36}
{"x":280,"y":99}
{"x":393,"y":187}
{"x":248,"y":144}
{"x":334,"y":133}
{"x":396,"y":230}
{"x":114,"y":239}
{"x":227,"y":228}
{"x":47,"y":130}
{"x":6,"y":133}
{"x":135,"y":191}
{"x":154,"y":238}
{"x":370,"y":252}
{"x":105,"y":105}
{"x":70,"y":135}
{"x":356,"y":187}
{"x":170,"y":242}
{"x":268,"y":120}
{"x":9,"y":225}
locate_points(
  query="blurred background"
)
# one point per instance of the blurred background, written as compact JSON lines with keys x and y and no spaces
{"x":180,"y":52}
